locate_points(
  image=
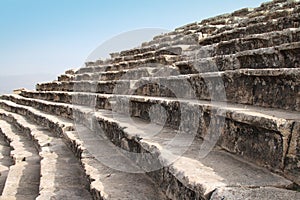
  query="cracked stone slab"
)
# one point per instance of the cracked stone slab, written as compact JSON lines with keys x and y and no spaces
{"x":263,"y":193}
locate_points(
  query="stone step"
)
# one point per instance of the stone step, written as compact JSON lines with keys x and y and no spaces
{"x":270,"y":57}
{"x":131,"y":74}
{"x":104,"y":76}
{"x":61,"y":174}
{"x":116,"y":75}
{"x":137,"y":131}
{"x":164,"y":51}
{"x":245,"y":86}
{"x":148,"y":62}
{"x":77,"y":98}
{"x":232,"y":27}
{"x":176,"y":172}
{"x":254,"y":193}
{"x":5,"y":160}
{"x":111,"y":170}
{"x":285,"y":55}
{"x":66,"y":77}
{"x":105,"y":183}
{"x":262,"y":16}
{"x":274,"y":132}
{"x":263,"y":87}
{"x":135,"y":51}
{"x":175,"y":185}
{"x":264,"y":13}
{"x":264,"y":25}
{"x":263,"y":10}
{"x":264,"y":56}
{"x":233,"y":46}
{"x":87,"y":86}
{"x":23,"y":177}
{"x":229,"y":23}
{"x":250,"y":42}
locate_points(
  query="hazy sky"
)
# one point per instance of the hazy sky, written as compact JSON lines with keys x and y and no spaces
{"x":40,"y":39}
{"x":50,"y":36}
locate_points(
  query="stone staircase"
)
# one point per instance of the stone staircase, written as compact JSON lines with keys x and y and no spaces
{"x":207,"y":111}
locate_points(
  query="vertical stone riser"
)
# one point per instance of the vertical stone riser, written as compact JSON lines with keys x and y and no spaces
{"x":257,"y":28}
{"x":264,"y":147}
{"x":24,"y":130}
{"x":58,"y":130}
{"x":173,"y":188}
{"x":292,"y":162}
{"x":291,"y":57}
{"x":265,"y":91}
{"x":168,"y":182}
{"x":257,"y":144}
{"x":277,"y":92}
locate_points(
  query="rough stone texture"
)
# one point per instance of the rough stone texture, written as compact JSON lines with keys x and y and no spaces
{"x":237,"y":137}
{"x":111,"y":178}
{"x":285,"y":55}
{"x":161,"y":59}
{"x":5,"y":160}
{"x":254,"y":194}
{"x":61,"y":175}
{"x":264,"y":88}
{"x":23,"y":176}
{"x":292,"y":164}
{"x":249,"y":142}
{"x":230,"y":83}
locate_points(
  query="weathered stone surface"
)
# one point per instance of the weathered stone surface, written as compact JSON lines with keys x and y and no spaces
{"x":254,"y":193}
{"x":265,"y":147}
{"x":5,"y":160}
{"x":135,"y":185}
{"x":261,"y":25}
{"x":23,"y":176}
{"x":292,"y":163}
{"x":229,"y":83}
{"x":66,"y":77}
{"x":264,"y":88}
{"x":246,"y":134}
{"x":143,"y":62}
{"x":283,"y":56}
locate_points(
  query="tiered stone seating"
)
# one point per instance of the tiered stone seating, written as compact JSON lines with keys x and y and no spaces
{"x":207,"y":111}
{"x":5,"y":160}
{"x":23,"y":176}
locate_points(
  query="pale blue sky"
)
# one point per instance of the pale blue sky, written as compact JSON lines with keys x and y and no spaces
{"x":50,"y":36}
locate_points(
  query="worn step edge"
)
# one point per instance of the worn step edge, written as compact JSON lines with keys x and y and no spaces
{"x":280,"y":122}
{"x":44,"y":142}
{"x":275,"y":120}
{"x":269,"y":38}
{"x":20,"y":156}
{"x":137,"y":140}
{"x":96,"y":187}
{"x":6,"y":159}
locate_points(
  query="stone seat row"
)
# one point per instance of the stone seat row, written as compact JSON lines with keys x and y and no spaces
{"x":182,"y":115}
{"x":261,"y":87}
{"x":62,"y":176}
{"x":285,"y":55}
{"x":243,"y":46}
{"x":43,"y":167}
{"x":182,"y":181}
{"x":229,"y":22}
